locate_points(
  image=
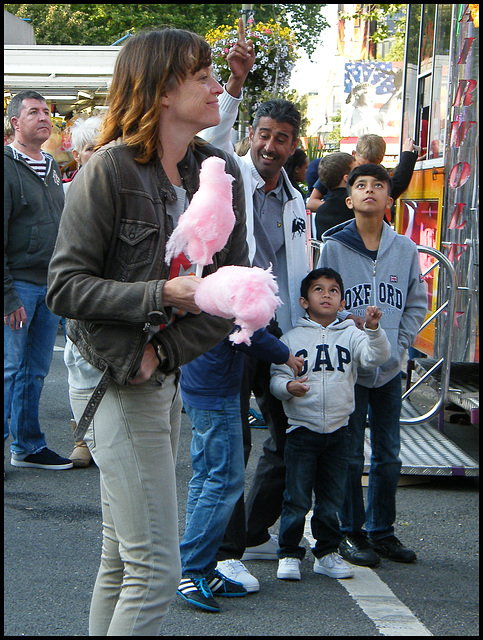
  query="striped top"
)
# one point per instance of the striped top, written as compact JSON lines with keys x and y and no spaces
{"x":39,"y":166}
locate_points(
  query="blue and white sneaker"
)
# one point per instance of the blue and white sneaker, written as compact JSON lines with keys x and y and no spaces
{"x":198,"y":593}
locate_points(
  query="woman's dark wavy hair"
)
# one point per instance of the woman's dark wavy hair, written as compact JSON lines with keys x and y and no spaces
{"x":149,"y":64}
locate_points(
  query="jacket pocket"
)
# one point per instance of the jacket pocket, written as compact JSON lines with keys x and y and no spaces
{"x":136,"y":243}
{"x":40,"y":245}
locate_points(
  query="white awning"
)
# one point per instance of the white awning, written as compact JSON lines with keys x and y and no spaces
{"x":72,"y":77}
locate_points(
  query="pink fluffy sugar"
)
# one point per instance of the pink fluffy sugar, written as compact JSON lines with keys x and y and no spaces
{"x":247,"y":294}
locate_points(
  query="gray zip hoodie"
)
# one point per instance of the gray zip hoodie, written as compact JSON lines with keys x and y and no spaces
{"x":392,"y":280}
{"x":331,"y":357}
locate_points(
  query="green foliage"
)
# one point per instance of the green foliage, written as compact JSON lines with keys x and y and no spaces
{"x":104,"y":24}
{"x":275,"y":55}
{"x":305,"y":20}
{"x":379,"y":13}
{"x":333,"y":137}
{"x":313,"y":147}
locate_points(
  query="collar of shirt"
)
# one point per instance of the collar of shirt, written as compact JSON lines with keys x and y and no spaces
{"x":258,"y":181}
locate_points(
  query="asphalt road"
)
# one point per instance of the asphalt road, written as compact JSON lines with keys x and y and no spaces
{"x":53,"y":539}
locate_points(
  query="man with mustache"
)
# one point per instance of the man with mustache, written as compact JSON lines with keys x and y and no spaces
{"x":276,"y":236}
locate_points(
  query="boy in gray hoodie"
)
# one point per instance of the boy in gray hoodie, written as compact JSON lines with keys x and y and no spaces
{"x":318,"y":405}
{"x":378,"y":267}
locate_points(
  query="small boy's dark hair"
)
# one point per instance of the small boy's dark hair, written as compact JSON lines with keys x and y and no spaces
{"x":322,"y":272}
{"x":374,"y":170}
{"x":333,"y":167}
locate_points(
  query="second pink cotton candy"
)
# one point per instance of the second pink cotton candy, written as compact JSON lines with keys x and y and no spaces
{"x":247,"y":294}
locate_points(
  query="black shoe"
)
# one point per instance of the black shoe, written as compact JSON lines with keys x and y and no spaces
{"x":393,"y":549}
{"x":197,"y":592}
{"x":357,"y":549}
{"x":43,"y":459}
{"x":220,"y":585}
{"x":255,"y":419}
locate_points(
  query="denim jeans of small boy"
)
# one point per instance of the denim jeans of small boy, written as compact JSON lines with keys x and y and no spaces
{"x":382,"y":407}
{"x":315,"y":462}
{"x":27,"y":357}
{"x":217,"y":483}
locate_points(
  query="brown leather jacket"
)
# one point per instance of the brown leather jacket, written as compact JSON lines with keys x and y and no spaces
{"x":108,"y":269}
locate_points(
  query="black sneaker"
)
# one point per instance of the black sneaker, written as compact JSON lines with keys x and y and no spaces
{"x":220,"y":585}
{"x":197,"y":592}
{"x":44,"y":459}
{"x":357,"y":549}
{"x":393,"y":549}
{"x":255,"y":419}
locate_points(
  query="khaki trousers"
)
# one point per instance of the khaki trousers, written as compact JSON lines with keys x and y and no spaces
{"x":133,"y":440}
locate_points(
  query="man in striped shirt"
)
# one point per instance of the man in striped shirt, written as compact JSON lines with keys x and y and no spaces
{"x":33,"y":202}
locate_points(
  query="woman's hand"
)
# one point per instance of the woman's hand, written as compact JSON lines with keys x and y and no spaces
{"x":180,"y":293}
{"x":149,"y":364}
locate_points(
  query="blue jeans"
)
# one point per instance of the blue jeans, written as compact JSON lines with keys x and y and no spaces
{"x":382,"y":407}
{"x":217,"y":483}
{"x":27,"y":358}
{"x":314,"y":462}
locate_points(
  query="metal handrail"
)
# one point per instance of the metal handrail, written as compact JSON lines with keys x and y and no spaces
{"x":447,"y":306}
{"x":444,"y":362}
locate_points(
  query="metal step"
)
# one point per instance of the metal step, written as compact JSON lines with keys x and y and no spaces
{"x":464,"y":384}
{"x":425,"y":451}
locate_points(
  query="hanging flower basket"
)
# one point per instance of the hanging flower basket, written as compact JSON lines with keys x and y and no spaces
{"x":275,"y":55}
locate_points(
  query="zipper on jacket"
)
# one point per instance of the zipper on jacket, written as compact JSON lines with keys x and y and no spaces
{"x":374,"y":303}
{"x":324,"y":386}
{"x":374,"y":282}
{"x":48,"y":169}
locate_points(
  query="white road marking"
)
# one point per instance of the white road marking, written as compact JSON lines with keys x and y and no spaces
{"x":377,"y":601}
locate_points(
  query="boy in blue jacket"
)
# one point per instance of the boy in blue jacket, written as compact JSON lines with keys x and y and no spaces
{"x":378,"y":267}
{"x":210,"y":388}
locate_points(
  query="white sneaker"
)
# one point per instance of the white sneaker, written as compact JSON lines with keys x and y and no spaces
{"x":288,"y":569}
{"x":236,"y":571}
{"x":265,"y":551}
{"x":334,"y":566}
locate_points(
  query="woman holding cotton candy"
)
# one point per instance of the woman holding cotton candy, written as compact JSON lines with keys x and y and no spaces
{"x":133,"y":317}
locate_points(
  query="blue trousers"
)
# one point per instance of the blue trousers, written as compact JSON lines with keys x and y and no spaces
{"x":217,"y":483}
{"x":27,"y":357}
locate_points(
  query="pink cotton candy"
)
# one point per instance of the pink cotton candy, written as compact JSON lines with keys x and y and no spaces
{"x":205,"y":226}
{"x":246,"y":294}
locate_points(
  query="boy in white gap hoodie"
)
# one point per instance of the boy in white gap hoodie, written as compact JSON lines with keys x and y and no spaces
{"x":318,"y":404}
